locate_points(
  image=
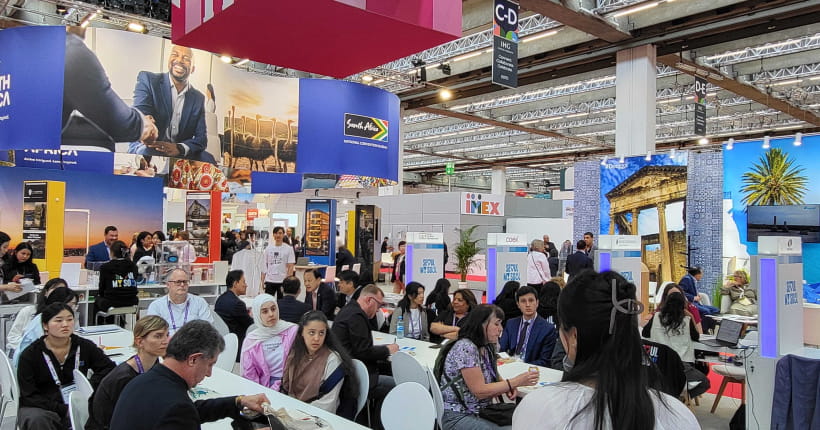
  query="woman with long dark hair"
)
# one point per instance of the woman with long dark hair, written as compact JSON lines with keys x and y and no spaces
{"x":674,"y":327}
{"x":693,"y":311}
{"x":467,"y":371}
{"x":34,"y":328}
{"x":605,"y":383}
{"x":18,"y":265}
{"x":448,"y":322}
{"x":411,"y":310}
{"x":506,"y":300}
{"x":439,"y":299}
{"x":319,"y":371}
{"x":158,"y":237}
{"x":145,"y":247}
{"x":548,"y":302}
{"x":6,"y":284}
{"x":25,"y":315}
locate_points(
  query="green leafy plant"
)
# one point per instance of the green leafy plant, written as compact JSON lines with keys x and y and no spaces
{"x":774,"y":180}
{"x":466,"y":250}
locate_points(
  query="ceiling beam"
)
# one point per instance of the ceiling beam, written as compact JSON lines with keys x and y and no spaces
{"x":715,"y":77}
{"x":473,"y":161}
{"x":503,"y":124}
{"x":577,"y":19}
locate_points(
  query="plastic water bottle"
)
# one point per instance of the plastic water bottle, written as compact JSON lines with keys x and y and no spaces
{"x":400,"y":328}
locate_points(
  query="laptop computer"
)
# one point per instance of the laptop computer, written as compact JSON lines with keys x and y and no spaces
{"x":728,"y":334}
{"x":302,"y":261}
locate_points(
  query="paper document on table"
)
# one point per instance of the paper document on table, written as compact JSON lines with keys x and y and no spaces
{"x":99,"y":329}
{"x":383,"y":338}
{"x":28,"y":287}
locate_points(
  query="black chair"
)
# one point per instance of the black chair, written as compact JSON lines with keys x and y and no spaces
{"x":666,"y":371}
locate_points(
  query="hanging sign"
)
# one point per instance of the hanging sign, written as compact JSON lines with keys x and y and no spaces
{"x":700,"y":106}
{"x":450,"y":168}
{"x":505,"y":43}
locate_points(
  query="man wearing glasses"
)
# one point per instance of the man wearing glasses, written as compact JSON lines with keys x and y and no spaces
{"x":179,"y":307}
{"x":352,"y":328}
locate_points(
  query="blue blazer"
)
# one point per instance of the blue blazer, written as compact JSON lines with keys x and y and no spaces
{"x":96,"y":253}
{"x":689,"y":287}
{"x":152,"y":96}
{"x":539,"y":346}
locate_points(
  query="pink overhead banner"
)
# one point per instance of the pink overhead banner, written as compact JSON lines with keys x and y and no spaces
{"x":331,"y":37}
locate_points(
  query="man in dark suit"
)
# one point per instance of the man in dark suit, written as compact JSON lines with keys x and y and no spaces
{"x":177,"y":108}
{"x":579,"y":260}
{"x":232,"y":309}
{"x":344,"y":258}
{"x":159,"y":397}
{"x":349,"y":288}
{"x":529,"y":336}
{"x":101,"y":252}
{"x":290,"y":309}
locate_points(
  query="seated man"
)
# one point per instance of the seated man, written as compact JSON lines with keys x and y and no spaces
{"x":529,"y":336}
{"x":290,"y":309}
{"x":352,"y":328}
{"x":159,"y":397}
{"x":179,"y":307}
{"x":231,"y":308}
{"x":319,"y":296}
{"x":349,"y":288}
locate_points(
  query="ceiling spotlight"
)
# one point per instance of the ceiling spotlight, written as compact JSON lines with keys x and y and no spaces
{"x":672,"y":153}
{"x":61,"y":10}
{"x":367,"y":78}
{"x":345,"y":201}
{"x":136,"y":27}
{"x":730,"y":144}
{"x":445,"y":94}
{"x":445,"y":68}
{"x":621,"y":160}
{"x":227,"y":59}
{"x":766,"y":142}
{"x":241,"y":62}
{"x":648,"y":156}
{"x":798,"y":139}
{"x":703,"y":141}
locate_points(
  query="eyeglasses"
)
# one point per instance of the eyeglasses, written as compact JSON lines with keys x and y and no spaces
{"x":381,"y":304}
{"x":181,"y":282}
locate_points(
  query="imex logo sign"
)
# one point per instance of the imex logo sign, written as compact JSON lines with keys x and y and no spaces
{"x":482,"y":204}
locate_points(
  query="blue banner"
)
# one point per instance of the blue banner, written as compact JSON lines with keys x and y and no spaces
{"x":89,"y":161}
{"x":31,"y":87}
{"x":276,"y":183}
{"x":347,"y":128}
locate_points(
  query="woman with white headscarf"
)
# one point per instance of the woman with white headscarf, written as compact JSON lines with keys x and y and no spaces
{"x":265,"y":349}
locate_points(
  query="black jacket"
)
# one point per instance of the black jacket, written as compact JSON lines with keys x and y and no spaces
{"x":118,"y":282}
{"x":290,"y":309}
{"x":234,"y":312}
{"x":37,"y":387}
{"x":577,"y":262}
{"x":158,"y":400}
{"x":325,"y":302}
{"x":12,"y":268}
{"x":352,"y":328}
{"x":344,"y":258}
{"x":102,"y":402}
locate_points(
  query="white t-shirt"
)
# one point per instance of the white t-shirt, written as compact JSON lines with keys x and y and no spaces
{"x":276,"y":260}
{"x":565,"y":399}
{"x":195,"y":308}
{"x":414,"y":324}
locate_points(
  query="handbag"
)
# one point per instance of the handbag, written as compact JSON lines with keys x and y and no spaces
{"x":498,"y":413}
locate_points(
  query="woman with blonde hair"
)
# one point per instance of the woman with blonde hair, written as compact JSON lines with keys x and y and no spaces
{"x":744,"y":298}
{"x":150,"y":341}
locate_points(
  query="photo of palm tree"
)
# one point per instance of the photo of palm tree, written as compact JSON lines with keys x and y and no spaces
{"x":774,"y":180}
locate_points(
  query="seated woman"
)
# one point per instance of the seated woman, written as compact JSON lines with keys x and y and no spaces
{"x":506,"y":300}
{"x":150,"y":340}
{"x":674,"y":327}
{"x":548,"y":302}
{"x":744,"y":299}
{"x":145,"y":247}
{"x":693,"y":310}
{"x":265,"y":349}
{"x":118,"y":281}
{"x":24,"y":316}
{"x":18,"y":265}
{"x":448,"y":322}
{"x":605,"y":383}
{"x":45,"y":373}
{"x":6,"y":284}
{"x":34,"y":329}
{"x":188,"y":250}
{"x":412,"y":312}
{"x":467,"y":372}
{"x":319,"y":371}
{"x":439,"y":299}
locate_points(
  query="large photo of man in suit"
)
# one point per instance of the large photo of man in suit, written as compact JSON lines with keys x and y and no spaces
{"x":177,"y":109}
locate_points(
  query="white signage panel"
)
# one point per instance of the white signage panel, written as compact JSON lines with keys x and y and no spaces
{"x":482,"y":204}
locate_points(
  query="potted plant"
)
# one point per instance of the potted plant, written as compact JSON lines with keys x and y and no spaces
{"x":465,"y":251}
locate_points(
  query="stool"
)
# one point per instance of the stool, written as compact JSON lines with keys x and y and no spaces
{"x":120,"y":313}
{"x":731,"y":374}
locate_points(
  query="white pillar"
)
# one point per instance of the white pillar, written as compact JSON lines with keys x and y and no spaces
{"x":636,"y":75}
{"x":499,"y":180}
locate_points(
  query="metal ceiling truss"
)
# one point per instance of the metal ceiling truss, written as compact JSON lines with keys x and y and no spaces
{"x":772,"y":76}
{"x":767,"y":50}
{"x":605,"y":6}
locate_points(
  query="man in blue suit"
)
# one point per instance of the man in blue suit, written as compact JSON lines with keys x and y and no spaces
{"x":177,"y":108}
{"x":529,"y":336}
{"x":101,"y":252}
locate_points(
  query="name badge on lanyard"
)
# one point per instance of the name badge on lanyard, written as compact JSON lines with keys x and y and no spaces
{"x":65,"y":390}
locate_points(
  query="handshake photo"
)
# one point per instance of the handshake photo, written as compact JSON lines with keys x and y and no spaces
{"x":150,"y":133}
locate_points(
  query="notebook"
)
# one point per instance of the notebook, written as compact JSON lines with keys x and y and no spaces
{"x":728,"y":334}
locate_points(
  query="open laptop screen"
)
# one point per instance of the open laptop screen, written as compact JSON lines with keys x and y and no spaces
{"x":729,"y":331}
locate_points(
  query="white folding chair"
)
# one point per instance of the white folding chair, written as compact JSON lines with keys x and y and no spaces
{"x":219,"y":324}
{"x":227,"y":358}
{"x":438,"y":399}
{"x":78,"y":410}
{"x":9,"y":390}
{"x":330,"y":275}
{"x":363,"y":377}
{"x":407,"y":369}
{"x":83,"y":386}
{"x":357,"y":267}
{"x":345,"y":267}
{"x":396,"y":415}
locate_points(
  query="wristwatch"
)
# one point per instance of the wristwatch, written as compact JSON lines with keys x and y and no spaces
{"x":181,"y":149}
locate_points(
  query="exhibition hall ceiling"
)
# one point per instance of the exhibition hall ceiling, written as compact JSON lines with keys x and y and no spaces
{"x":564,"y":108}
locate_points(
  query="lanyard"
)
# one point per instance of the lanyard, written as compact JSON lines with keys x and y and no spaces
{"x":184,"y":316}
{"x":455,"y":321}
{"x":53,"y":371}
{"x":140,"y":369}
{"x":412,"y":326}
{"x":488,"y":363}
